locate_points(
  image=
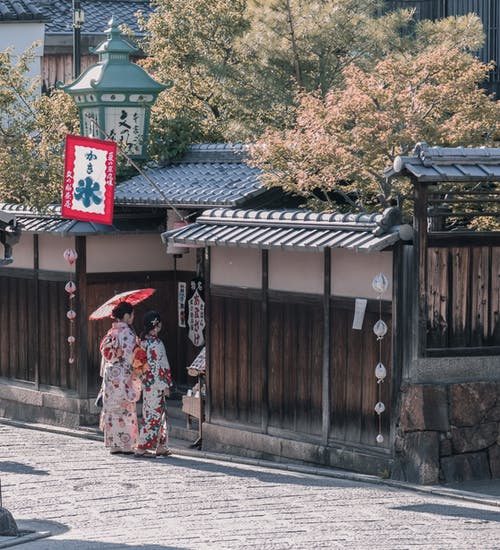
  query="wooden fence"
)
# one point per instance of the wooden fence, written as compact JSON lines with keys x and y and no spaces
{"x":463,"y":299}
{"x":266,"y":366}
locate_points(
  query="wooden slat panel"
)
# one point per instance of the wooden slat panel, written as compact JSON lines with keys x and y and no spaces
{"x":437,"y":297}
{"x":479,"y":295}
{"x":5,"y":336}
{"x":495,"y":297}
{"x":353,"y":386}
{"x":275,"y":361}
{"x":295,"y":361}
{"x":231,"y":361}
{"x":460,"y":322}
{"x":217,"y":322}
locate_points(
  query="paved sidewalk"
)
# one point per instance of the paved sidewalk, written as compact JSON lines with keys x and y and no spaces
{"x":484,"y":491}
{"x":67,"y":484}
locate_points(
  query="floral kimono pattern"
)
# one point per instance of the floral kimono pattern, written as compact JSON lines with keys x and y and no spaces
{"x":153,"y":428}
{"x":121,"y":389}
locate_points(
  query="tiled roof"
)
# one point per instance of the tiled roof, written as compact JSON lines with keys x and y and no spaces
{"x":20,"y":10}
{"x":455,"y":164}
{"x":50,"y":221}
{"x":57,"y":14}
{"x":292,"y":230}
{"x":208,"y":175}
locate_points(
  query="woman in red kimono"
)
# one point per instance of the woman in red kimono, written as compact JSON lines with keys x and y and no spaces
{"x":121,"y":386}
{"x":156,"y":381}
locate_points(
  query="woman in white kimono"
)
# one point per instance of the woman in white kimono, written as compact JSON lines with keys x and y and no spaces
{"x":156,"y":381}
{"x":121,"y":387}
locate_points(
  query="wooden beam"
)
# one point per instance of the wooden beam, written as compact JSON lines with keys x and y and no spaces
{"x":265,"y":343}
{"x":325,"y":429}
{"x":81,"y":311}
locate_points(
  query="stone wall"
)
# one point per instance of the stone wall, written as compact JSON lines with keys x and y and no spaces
{"x":448,"y":432}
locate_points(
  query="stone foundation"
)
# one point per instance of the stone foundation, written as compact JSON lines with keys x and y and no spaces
{"x":449,"y":432}
{"x":47,"y":405}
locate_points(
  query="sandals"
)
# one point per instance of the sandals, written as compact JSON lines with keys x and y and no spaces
{"x":144,"y":453}
{"x":163,"y":451}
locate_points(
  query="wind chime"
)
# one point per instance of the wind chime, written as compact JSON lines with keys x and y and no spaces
{"x":70,"y":256}
{"x":380,"y":284}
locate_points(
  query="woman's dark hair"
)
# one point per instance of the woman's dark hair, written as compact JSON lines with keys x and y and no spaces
{"x":150,"y":321}
{"x":121,"y":309}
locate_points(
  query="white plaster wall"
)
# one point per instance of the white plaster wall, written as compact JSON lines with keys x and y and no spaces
{"x":20,"y":36}
{"x":296,"y":271}
{"x":51,"y":249}
{"x":110,"y":253}
{"x":353,"y":272}
{"x":22,"y":252}
{"x":238,"y":267}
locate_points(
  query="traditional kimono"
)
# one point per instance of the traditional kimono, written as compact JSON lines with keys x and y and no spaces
{"x":153,"y":428}
{"x":121,"y":389}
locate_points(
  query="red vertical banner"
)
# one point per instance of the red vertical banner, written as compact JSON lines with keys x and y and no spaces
{"x":89,"y":179}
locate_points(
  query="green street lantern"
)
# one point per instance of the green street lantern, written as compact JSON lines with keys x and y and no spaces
{"x":114,"y":96}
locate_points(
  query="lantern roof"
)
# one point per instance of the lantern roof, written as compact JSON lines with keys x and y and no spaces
{"x":114,"y":72}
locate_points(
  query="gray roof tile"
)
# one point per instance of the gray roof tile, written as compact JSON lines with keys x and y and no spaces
{"x":208,"y":175}
{"x":58,"y":13}
{"x":289,"y":230}
{"x":50,"y":221}
{"x":449,"y":164}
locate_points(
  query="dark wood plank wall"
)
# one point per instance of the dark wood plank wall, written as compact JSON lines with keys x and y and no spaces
{"x":25,"y":322}
{"x":235,"y":323}
{"x":353,"y":386}
{"x":295,"y":362}
{"x":463,"y":294}
{"x":238,"y":365}
{"x":21,"y":317}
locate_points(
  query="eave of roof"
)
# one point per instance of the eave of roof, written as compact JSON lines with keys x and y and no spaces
{"x":448,"y":164}
{"x":290,"y":230}
{"x":50,"y":221}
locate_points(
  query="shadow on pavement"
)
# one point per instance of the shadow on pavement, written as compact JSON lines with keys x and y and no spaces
{"x":20,"y":468}
{"x":480,"y":516}
{"x":250,"y":472}
{"x":57,"y":529}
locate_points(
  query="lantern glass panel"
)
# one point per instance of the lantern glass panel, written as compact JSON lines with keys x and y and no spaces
{"x":88,"y":127}
{"x":125,"y":125}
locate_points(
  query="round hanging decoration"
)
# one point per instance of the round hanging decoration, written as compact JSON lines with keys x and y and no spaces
{"x":380,"y":284}
{"x":380,"y":329}
{"x":380,"y":372}
{"x":70,"y":287}
{"x":70,"y":256}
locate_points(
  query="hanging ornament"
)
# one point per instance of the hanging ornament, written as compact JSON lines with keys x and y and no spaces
{"x":380,"y":283}
{"x":380,"y":372}
{"x":380,"y":329}
{"x":70,"y":256}
{"x":70,"y":287}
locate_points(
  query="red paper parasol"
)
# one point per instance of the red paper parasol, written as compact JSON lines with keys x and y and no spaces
{"x":133,"y":297}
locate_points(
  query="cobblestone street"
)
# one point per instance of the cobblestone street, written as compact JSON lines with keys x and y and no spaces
{"x":89,"y":499}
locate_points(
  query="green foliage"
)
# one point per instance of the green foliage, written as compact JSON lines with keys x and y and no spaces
{"x":32,"y":133}
{"x":335,"y":154}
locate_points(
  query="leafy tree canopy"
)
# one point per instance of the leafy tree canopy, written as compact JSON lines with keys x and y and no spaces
{"x":32,"y":133}
{"x":336,"y":153}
